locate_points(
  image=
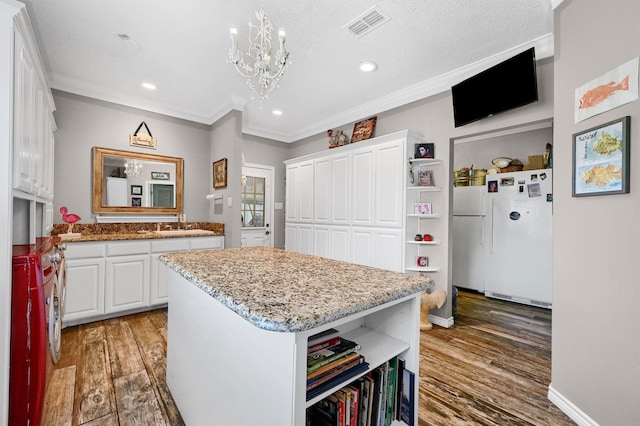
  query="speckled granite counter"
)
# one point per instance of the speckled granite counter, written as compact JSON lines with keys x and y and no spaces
{"x":133,"y":231}
{"x":280,"y":290}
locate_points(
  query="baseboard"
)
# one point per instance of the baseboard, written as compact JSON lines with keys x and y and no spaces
{"x":569,"y":409}
{"x":442,"y":322}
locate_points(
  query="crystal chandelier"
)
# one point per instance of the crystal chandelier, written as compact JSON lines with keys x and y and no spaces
{"x":255,"y":65}
{"x":132,"y":168}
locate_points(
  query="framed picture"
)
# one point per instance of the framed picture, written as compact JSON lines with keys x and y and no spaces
{"x":220,"y":174}
{"x":426,"y":177}
{"x":424,"y":150}
{"x":422,"y":208}
{"x":160,"y":175}
{"x":601,"y":159}
{"x":136,"y":202}
{"x":136,"y":189}
{"x":493,"y":186}
{"x":363,"y":130}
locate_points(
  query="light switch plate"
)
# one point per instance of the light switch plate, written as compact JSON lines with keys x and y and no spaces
{"x":277,"y":206}
{"x":229,"y":202}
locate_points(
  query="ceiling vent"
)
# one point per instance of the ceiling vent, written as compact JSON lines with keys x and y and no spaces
{"x":366,"y":22}
{"x":124,"y":37}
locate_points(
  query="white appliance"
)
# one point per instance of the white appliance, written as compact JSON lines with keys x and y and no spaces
{"x":518,"y":237}
{"x":116,"y":191}
{"x":468,"y":237}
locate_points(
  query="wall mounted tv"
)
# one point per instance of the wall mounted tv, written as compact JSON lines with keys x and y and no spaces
{"x":507,"y":85}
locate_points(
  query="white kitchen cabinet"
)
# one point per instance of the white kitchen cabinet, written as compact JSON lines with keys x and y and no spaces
{"x":109,"y":278}
{"x":33,"y":123}
{"x":85,"y":281}
{"x":359,"y":201}
{"x":127,"y":283}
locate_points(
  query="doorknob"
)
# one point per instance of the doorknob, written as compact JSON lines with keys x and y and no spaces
{"x":267,"y":232}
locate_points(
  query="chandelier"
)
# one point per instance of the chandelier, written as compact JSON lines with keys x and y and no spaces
{"x":132,"y":168}
{"x":255,"y":65}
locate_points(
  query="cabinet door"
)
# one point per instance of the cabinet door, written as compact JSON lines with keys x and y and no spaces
{"x":322,"y":191}
{"x":24,"y":110}
{"x":159,"y":287}
{"x":127,"y":283}
{"x":388,"y":249}
{"x":291,"y":237}
{"x":291,"y":190}
{"x":85,"y":288}
{"x":305,"y":239}
{"x":340,"y":237}
{"x":362,"y":246}
{"x":340,"y":189}
{"x":321,"y":241}
{"x":362,"y":178}
{"x":304,"y":188}
{"x":389,"y":182}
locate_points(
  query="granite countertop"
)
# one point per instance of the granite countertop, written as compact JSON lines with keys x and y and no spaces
{"x":133,"y":231}
{"x":284,"y":291}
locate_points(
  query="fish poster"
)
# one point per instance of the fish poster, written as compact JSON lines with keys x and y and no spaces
{"x":601,"y":164}
{"x":615,"y":88}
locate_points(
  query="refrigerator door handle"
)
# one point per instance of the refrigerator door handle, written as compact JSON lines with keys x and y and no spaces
{"x":492,"y":203}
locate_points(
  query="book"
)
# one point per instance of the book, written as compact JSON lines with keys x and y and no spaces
{"x":343,"y":407}
{"x":399,"y":377}
{"x":330,"y":354}
{"x":312,"y":350}
{"x":333,"y":364}
{"x":355,"y":400}
{"x":341,"y":378}
{"x":392,"y":366}
{"x":352,"y":361}
{"x":365,"y":386}
{"x":322,"y":337}
{"x":323,"y":413}
{"x":407,"y":405}
{"x":374,"y":409}
{"x":382,"y":403}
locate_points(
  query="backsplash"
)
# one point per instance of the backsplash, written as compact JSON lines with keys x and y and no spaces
{"x":131,"y":228}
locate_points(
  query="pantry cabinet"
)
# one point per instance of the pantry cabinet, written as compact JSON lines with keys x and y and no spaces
{"x":357,"y":193}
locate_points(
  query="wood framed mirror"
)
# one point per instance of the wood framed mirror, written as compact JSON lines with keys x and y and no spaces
{"x":128,"y":182}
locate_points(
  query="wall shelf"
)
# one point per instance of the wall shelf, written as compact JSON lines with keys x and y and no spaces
{"x":425,"y":216}
{"x":423,"y":269}
{"x":426,"y":243}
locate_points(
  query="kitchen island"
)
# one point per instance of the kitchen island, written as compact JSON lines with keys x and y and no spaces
{"x":239,"y":320}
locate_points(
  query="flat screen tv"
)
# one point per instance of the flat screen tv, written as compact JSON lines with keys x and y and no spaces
{"x":507,"y":85}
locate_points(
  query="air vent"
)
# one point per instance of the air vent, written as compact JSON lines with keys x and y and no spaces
{"x":124,"y":37}
{"x":366,"y":22}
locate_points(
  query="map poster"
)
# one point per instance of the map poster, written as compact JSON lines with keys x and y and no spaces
{"x":601,"y":159}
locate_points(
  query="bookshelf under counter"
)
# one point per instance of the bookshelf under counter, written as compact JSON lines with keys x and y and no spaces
{"x":237,"y":354}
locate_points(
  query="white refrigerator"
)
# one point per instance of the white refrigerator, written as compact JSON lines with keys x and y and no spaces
{"x":468,"y":237}
{"x":518,"y":230}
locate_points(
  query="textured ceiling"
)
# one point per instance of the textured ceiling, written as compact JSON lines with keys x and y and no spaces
{"x":180,"y":46}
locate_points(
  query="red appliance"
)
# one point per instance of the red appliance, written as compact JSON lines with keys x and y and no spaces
{"x":35,"y":328}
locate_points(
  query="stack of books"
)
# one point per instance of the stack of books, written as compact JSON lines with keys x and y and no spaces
{"x":331,"y":360}
{"x":378,"y":398}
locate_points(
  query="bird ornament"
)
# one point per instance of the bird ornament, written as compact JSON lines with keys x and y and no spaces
{"x":69,"y":218}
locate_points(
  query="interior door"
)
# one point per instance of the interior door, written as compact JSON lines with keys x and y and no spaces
{"x":257,"y":205}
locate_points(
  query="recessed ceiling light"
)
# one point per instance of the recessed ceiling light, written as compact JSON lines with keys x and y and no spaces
{"x":368,"y":66}
{"x":277,"y":112}
{"x":149,"y":86}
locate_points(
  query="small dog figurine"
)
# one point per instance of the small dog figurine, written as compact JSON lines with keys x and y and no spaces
{"x":429,"y":301}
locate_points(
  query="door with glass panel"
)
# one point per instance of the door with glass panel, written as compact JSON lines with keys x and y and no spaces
{"x":257,"y":205}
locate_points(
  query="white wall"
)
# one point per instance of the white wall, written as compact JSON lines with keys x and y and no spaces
{"x":596,"y":240}
{"x":84,"y":123}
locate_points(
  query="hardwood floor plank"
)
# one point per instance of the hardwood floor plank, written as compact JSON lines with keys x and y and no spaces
{"x":97,"y":396}
{"x":58,"y":404}
{"x":123,"y":350}
{"x":137,"y":403}
{"x":110,"y":419}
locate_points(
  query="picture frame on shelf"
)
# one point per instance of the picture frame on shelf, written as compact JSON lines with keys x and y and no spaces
{"x":364,"y":129}
{"x":422,"y":208}
{"x":425,"y":177}
{"x":220,"y":174}
{"x":136,"y":202}
{"x":601,"y":159}
{"x":136,"y":189}
{"x":424,"y":150}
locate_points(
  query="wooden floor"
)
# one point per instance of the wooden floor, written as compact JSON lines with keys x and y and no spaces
{"x":492,"y":368}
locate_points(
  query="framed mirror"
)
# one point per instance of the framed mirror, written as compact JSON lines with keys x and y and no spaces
{"x":132,"y":182}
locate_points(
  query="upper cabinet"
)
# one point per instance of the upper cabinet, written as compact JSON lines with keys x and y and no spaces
{"x":33,"y":123}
